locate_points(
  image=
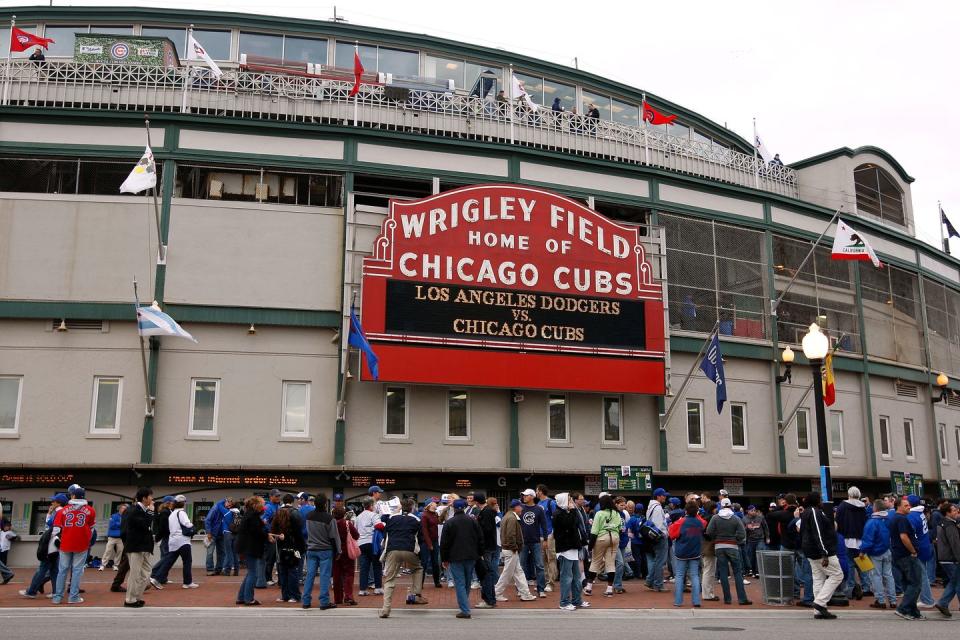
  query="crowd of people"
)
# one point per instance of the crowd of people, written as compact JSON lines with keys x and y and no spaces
{"x":893,"y":549}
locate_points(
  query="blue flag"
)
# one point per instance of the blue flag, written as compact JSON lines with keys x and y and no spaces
{"x":358,"y":339}
{"x":712,"y":367}
{"x":951,"y":230}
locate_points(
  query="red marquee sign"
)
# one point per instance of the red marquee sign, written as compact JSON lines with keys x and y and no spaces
{"x":514,"y":287}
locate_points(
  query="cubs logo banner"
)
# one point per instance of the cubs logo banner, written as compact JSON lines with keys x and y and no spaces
{"x":513,"y":287}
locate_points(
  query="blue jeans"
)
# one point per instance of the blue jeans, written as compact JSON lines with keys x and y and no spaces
{"x":850,"y":581}
{"x":370,"y":568}
{"x":952,"y":589}
{"x":216,"y":546}
{"x":802,"y":577}
{"x":322,"y":562}
{"x":160,"y":570}
{"x":47,"y":570}
{"x":462,"y":571}
{"x":531,"y":552}
{"x":570,"y":582}
{"x":730,"y":558}
{"x":884,"y":588}
{"x":288,"y":575}
{"x":618,"y":572}
{"x":684,"y":569}
{"x":750,"y":555}
{"x":656,"y":559}
{"x":246,"y":593}
{"x":72,"y":561}
{"x":911,"y":575}
{"x":926,"y":594}
{"x":230,"y":559}
{"x":489,"y":582}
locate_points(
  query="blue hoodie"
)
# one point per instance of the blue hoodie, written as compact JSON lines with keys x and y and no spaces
{"x":549,"y":506}
{"x":919,"y":522}
{"x":113,"y":529}
{"x":876,"y":535}
{"x":213,"y":523}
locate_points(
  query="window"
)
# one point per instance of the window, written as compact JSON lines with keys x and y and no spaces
{"x":803,"y":431}
{"x":113,"y":29}
{"x":533,"y":85}
{"x":63,"y":37}
{"x":38,"y":516}
{"x":458,"y":414}
{"x":261,"y":44}
{"x":296,"y":410}
{"x":836,"y":433}
{"x":956,"y":437}
{"x":566,"y":92}
{"x":695,"y":439}
{"x":395,"y":413}
{"x":908,"y":439}
{"x":942,"y":440}
{"x":738,"y":426}
{"x":204,"y":406}
{"x":379,"y":59}
{"x":105,"y":415}
{"x":557,"y":417}
{"x":217,"y":43}
{"x":304,"y":50}
{"x":612,"y":423}
{"x":878,"y":193}
{"x":626,"y":113}
{"x":601,"y":102}
{"x":10,"y":389}
{"x":885,"y":438}
{"x":64,"y":176}
{"x":177,"y":36}
{"x":257,"y":184}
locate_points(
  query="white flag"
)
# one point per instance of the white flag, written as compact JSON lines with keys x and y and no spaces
{"x":762,"y":149}
{"x":197,"y":52}
{"x":143,"y":176}
{"x":850,"y":245}
{"x":151,"y":321}
{"x":520,"y":92}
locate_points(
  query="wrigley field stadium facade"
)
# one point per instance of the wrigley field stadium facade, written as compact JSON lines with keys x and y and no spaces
{"x":536,"y":284}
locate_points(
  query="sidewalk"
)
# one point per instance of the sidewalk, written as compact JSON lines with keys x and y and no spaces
{"x":219,"y":591}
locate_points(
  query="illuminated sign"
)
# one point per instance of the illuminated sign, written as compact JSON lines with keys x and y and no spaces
{"x":235,"y":480}
{"x":37,"y":479}
{"x":514,"y":287}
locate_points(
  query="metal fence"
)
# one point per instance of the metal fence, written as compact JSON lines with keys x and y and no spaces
{"x":268,"y":96}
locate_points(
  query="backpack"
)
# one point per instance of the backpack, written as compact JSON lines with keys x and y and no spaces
{"x":235,"y":524}
{"x":43,"y":544}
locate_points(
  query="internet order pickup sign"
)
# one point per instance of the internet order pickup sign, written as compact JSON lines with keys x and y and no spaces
{"x":513,"y":287}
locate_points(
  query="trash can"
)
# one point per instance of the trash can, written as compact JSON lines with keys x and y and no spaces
{"x":776,"y":576}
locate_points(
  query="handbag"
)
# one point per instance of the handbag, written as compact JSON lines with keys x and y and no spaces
{"x":187,"y":532}
{"x":353,"y":548}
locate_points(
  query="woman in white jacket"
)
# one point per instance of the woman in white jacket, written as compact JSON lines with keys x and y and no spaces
{"x":181,"y":533}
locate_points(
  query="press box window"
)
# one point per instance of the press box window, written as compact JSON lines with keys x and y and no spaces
{"x":10,"y":389}
{"x":738,"y":426}
{"x":395,"y":413}
{"x":908,"y":439}
{"x":612,"y":421}
{"x":803,"y":431}
{"x":458,"y":415}
{"x":557,"y":408}
{"x":695,"y":439}
{"x":885,"y":437}
{"x":296,"y":409}
{"x":105,"y":414}
{"x":836,"y":433}
{"x":204,"y":406}
{"x":258,"y":184}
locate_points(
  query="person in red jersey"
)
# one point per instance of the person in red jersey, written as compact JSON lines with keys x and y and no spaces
{"x":72,"y":531}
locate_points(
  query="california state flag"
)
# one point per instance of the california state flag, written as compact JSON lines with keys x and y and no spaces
{"x":850,"y":245}
{"x":829,"y":381}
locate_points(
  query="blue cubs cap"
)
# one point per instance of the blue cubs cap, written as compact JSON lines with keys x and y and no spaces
{"x":61,"y":498}
{"x":660,"y":491}
{"x":675,"y":501}
{"x":337,"y":497}
{"x":515,"y":503}
{"x":166,"y":499}
{"x":459,"y":503}
{"x":374,"y":489}
{"x":914,"y":500}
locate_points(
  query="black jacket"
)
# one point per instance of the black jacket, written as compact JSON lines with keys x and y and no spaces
{"x":779,"y":522}
{"x":487,"y":519}
{"x":136,"y":530}
{"x":566,"y":530}
{"x":252,"y":536}
{"x":161,"y":525}
{"x":461,"y":539}
{"x":818,"y":537}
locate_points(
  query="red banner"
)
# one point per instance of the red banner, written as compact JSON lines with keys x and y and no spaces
{"x":515,"y":287}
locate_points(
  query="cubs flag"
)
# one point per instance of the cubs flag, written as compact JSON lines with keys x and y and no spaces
{"x":829,"y":381}
{"x":850,"y":245}
{"x":357,"y":73}
{"x":762,"y":149}
{"x":21,"y":40}
{"x":197,"y":52}
{"x":712,"y":367}
{"x":143,"y":176}
{"x":653,"y":116}
{"x":951,"y":230}
{"x":520,"y":92}
{"x":358,"y":339}
{"x":153,"y":322}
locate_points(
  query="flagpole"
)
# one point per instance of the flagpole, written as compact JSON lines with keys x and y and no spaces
{"x":643,"y":119}
{"x":162,"y":250}
{"x":186,"y":76}
{"x":943,"y":236}
{"x":756,"y":166}
{"x":510,"y":100}
{"x":356,"y":96}
{"x":6,"y":79}
{"x":665,"y":418}
{"x":345,"y":370}
{"x":143,"y":352}
{"x":776,"y":303}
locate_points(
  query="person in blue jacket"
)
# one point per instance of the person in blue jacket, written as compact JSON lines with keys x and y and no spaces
{"x":534,"y":527}
{"x":213,"y":525}
{"x":114,"y":549}
{"x":924,"y":547}
{"x":636,"y":542}
{"x":875,"y":544}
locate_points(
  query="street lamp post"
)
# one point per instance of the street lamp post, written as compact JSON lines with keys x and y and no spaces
{"x":815,"y":346}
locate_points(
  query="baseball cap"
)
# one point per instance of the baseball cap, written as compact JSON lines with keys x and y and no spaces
{"x":725,"y":502}
{"x":773,"y":505}
{"x":459,"y":503}
{"x":275,"y":492}
{"x":374,"y":489}
{"x":674,"y":501}
{"x":60,"y":497}
{"x":78,"y":491}
{"x":914,"y":500}
{"x":166,"y":499}
{"x":751,"y":507}
{"x":528,"y":492}
{"x":660,"y":491}
{"x":428,"y":502}
{"x":337,"y":497}
{"x":515,"y":503}
{"x":724,"y":492}
{"x":479,"y":496}
{"x":603,"y":493}
{"x":72,"y":487}
{"x":180,"y":498}
{"x":302,"y":495}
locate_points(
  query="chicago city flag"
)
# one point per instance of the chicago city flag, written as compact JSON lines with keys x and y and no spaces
{"x":151,"y":321}
{"x":143,"y":176}
{"x":850,"y":245}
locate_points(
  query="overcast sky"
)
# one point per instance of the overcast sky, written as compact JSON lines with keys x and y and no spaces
{"x":817,"y":75}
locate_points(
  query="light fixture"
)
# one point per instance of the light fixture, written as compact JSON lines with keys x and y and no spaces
{"x":942,"y":382}
{"x":62,"y":326}
{"x":252,"y":330}
{"x":815,"y":344}
{"x":787,"y":358}
{"x":815,"y":347}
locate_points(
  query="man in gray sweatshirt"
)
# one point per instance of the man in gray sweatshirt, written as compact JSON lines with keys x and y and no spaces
{"x":727,"y":532}
{"x":758,"y":536}
{"x":323,"y":546}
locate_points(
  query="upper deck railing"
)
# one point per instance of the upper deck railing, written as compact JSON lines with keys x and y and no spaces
{"x":304,"y":99}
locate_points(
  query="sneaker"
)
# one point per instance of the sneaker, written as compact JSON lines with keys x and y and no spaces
{"x":920,"y":617}
{"x":419,"y":600}
{"x":548,"y":588}
{"x":503,"y":599}
{"x":100,"y":568}
{"x":878,"y":605}
{"x":270,"y":583}
{"x":378,"y":592}
{"x":117,"y":568}
{"x":192,"y":585}
{"x":583,"y":605}
{"x":567,"y":607}
{"x":944,"y":611}
{"x":77,"y":601}
{"x":925,"y":606}
{"x":608,"y":592}
{"x":746,"y":582}
{"x":156,"y":584}
{"x":541,"y":594}
{"x":384,"y":613}
{"x":280,"y":600}
{"x":528,"y":598}
{"x":361,"y":593}
{"x":671,"y":579}
{"x":293,"y":600}
{"x":450,"y":584}
{"x":463,"y":616}
{"x":482,"y":605}
{"x":588,"y":590}
{"x":474,"y":585}
{"x":619,"y":590}
{"x":49,"y":596}
{"x":24,"y":593}
{"x":7,"y":579}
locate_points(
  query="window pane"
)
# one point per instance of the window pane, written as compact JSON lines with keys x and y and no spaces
{"x":558,"y":417}
{"x":884,"y":436}
{"x":396,"y":411}
{"x":611,"y":420}
{"x":626,"y":113}
{"x":942,"y":438}
{"x":113,"y":29}
{"x":738,"y":430}
{"x":217,"y":43}
{"x":457,"y":414}
{"x":399,"y":63}
{"x":567,"y":94}
{"x":836,"y":432}
{"x":204,"y":404}
{"x":64,"y":38}
{"x":443,"y":69}
{"x":344,"y":56}
{"x":803,"y":433}
{"x":295,"y":407}
{"x":9,"y":394}
{"x":678,"y":131}
{"x":471,"y":78}
{"x":908,"y":437}
{"x":177,"y":36}
{"x":602,"y":103}
{"x":533,"y":86}
{"x":694,"y":432}
{"x":108,"y":394}
{"x":261,"y":44}
{"x":305,"y":50}
{"x":956,"y":436}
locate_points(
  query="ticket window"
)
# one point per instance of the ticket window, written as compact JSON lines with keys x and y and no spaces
{"x":38,"y":516}
{"x":200,"y":511}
